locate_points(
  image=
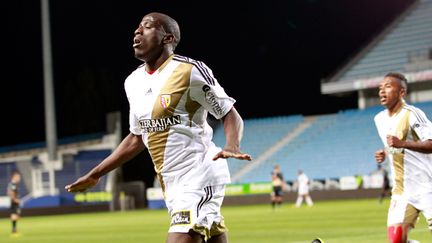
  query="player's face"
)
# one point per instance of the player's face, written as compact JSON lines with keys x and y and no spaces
{"x":16,"y":178}
{"x":390,"y":92}
{"x":148,"y":39}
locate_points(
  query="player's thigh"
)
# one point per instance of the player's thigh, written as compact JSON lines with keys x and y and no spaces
{"x":222,"y":238}
{"x":427,"y":210}
{"x":190,"y":237}
{"x":14,"y":216}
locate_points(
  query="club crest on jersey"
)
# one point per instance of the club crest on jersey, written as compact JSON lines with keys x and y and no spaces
{"x":165,"y":100}
{"x":181,"y":218}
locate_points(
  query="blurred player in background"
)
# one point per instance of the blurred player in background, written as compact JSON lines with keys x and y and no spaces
{"x":278,"y":186}
{"x":386,"y":189}
{"x":406,"y":134}
{"x":303,"y":189}
{"x":169,"y":99}
{"x":15,"y":209}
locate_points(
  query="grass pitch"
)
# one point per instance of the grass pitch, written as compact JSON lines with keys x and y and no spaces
{"x":342,"y":221}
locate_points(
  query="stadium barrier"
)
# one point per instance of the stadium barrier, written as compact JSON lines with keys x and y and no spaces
{"x":256,"y":193}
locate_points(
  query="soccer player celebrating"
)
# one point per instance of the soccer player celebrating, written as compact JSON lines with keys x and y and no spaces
{"x":169,"y":98}
{"x":406,"y":133}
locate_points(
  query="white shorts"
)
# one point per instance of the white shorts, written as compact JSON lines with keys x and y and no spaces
{"x":196,"y":209}
{"x":401,"y":211}
{"x":303,"y":190}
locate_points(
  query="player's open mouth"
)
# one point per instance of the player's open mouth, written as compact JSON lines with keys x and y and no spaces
{"x":136,"y":43}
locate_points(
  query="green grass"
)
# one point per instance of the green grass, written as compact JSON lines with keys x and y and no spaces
{"x":342,"y":221}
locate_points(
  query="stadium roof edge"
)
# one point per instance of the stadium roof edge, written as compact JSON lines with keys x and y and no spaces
{"x":333,"y":85}
{"x":373,"y":82}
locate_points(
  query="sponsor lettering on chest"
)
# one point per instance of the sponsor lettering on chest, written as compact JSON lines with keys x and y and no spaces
{"x":158,"y":125}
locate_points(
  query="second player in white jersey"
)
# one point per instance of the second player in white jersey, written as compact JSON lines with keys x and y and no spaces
{"x":406,"y":134}
{"x":411,"y":170}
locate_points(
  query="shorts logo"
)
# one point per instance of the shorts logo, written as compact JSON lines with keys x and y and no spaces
{"x":165,"y":100}
{"x":181,"y":218}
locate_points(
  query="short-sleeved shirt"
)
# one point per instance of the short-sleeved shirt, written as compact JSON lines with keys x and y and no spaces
{"x":169,"y":109}
{"x":411,"y":170}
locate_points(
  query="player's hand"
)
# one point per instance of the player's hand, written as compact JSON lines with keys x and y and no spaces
{"x":225,"y":154}
{"x":82,"y":184}
{"x":394,"y":141}
{"x":380,"y":156}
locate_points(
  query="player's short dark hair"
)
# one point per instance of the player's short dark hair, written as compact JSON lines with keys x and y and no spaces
{"x":399,"y":76}
{"x":171,"y":26}
{"x":174,"y":29}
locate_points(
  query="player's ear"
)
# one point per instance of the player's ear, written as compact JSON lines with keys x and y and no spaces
{"x":403,"y":89}
{"x":168,"y":38}
{"x":403,"y":92}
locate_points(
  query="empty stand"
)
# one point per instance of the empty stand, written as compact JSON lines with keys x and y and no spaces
{"x":6,"y":170}
{"x":80,"y":164}
{"x":412,"y":34}
{"x":259,"y":135}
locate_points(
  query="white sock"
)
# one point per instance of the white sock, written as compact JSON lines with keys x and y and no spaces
{"x":299,"y":201}
{"x":309,"y":201}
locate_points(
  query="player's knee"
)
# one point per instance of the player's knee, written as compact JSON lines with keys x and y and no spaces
{"x":395,"y":234}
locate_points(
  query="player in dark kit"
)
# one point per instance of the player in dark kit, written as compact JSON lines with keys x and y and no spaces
{"x":386,"y":188}
{"x":278,"y":184}
{"x":15,"y":210}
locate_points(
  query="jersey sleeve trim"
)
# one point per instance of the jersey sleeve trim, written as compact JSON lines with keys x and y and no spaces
{"x":199,"y":66}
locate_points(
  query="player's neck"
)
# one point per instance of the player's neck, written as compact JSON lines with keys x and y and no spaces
{"x":159,"y":63}
{"x":396,"y":108}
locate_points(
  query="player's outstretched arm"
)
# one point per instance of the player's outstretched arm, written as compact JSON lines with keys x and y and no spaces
{"x":82,"y":184}
{"x":233,"y":128}
{"x":131,"y":146}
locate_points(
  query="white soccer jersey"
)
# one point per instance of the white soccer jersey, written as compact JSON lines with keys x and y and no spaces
{"x":412,"y":171}
{"x":169,"y":109}
{"x":303,"y":184}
